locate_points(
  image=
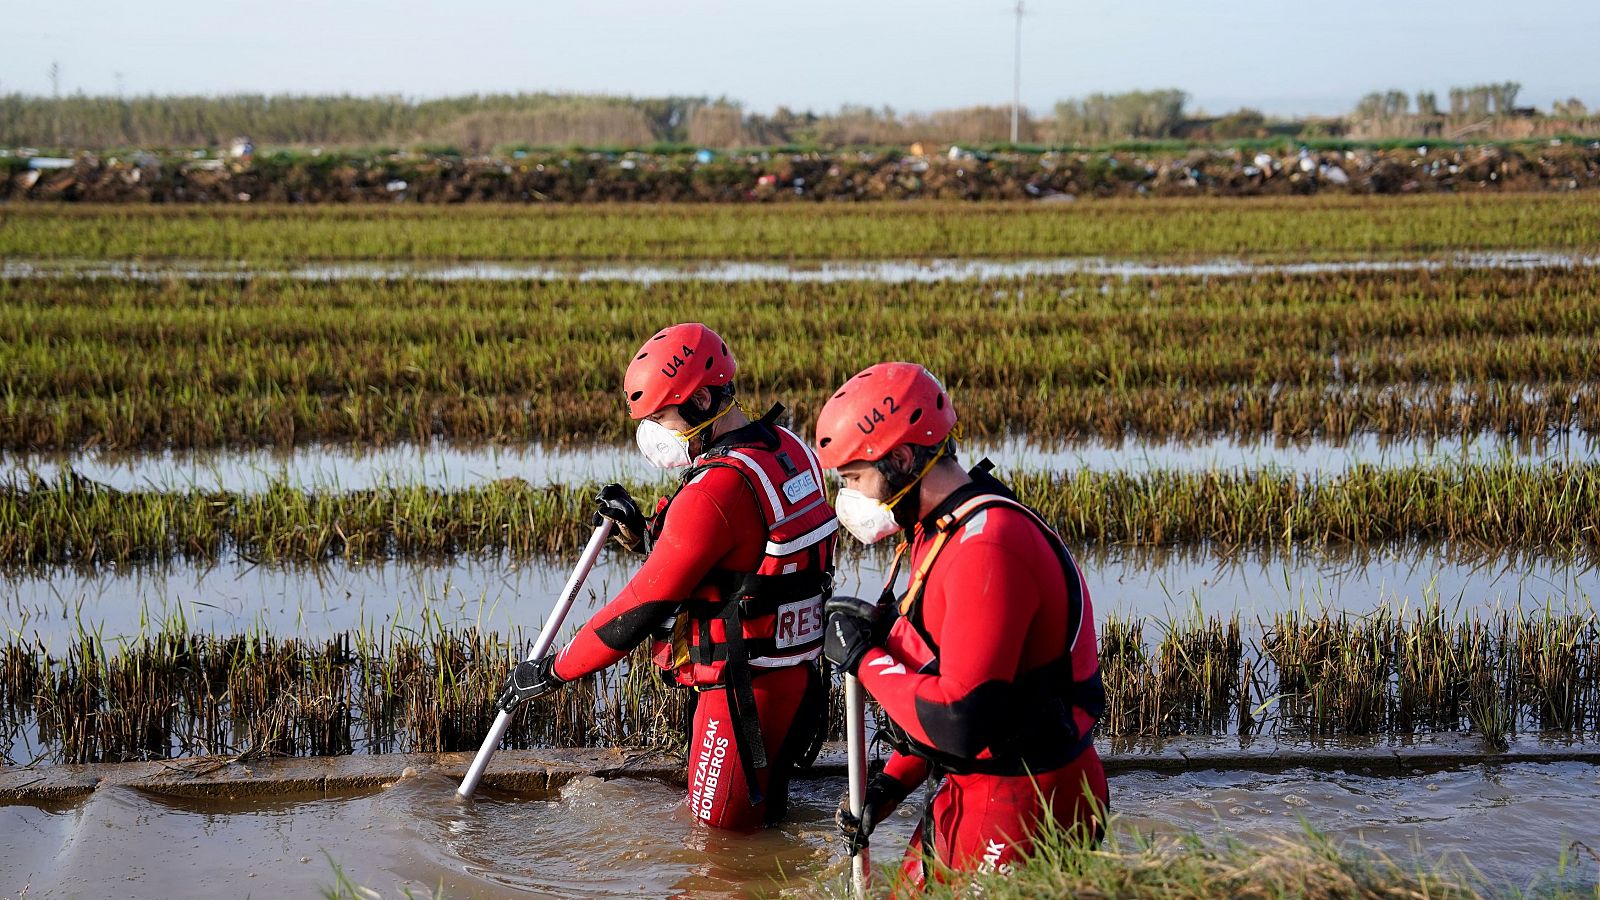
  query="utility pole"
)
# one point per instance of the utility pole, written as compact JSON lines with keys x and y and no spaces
{"x":1016,"y":80}
{"x":55,"y":108}
{"x":119,"y":84}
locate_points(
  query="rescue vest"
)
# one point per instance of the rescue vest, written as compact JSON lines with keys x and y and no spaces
{"x":769,"y":617}
{"x":1044,"y":733}
{"x":775,"y":611}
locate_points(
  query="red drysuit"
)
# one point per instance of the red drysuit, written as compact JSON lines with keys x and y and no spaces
{"x":713,"y":526}
{"x":997,"y":604}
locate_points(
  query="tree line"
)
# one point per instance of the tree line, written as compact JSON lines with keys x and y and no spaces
{"x":481,"y":123}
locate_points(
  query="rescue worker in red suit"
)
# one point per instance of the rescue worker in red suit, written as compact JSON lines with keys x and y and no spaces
{"x":987,"y":666}
{"x":737,"y":568}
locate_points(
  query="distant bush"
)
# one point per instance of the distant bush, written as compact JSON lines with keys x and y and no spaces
{"x":473,"y":120}
{"x":1134,"y":114}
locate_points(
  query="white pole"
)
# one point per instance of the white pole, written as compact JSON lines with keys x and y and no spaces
{"x":855,"y":713}
{"x":1016,"y":80}
{"x":547,"y":636}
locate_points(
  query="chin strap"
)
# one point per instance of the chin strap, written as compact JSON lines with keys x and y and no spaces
{"x":694,"y":432}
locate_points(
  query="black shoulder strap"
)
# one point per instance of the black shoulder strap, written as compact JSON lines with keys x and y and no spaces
{"x":1069,"y":566}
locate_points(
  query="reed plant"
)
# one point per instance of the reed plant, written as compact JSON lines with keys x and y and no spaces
{"x":1302,"y":673}
{"x":1302,"y":227}
{"x":1064,"y":359}
{"x":1476,"y":509}
{"x":1191,"y":866}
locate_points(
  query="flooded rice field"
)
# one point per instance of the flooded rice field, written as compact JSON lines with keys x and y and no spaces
{"x":625,"y":838}
{"x":894,"y":271}
{"x":160,"y":662}
{"x":1511,"y":822}
{"x":443,"y":465}
{"x":58,"y":604}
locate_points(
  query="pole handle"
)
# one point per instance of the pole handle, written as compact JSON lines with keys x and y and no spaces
{"x":855,"y":714}
{"x":541,"y":646}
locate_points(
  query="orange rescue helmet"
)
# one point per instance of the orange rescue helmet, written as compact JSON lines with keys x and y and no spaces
{"x":678,"y":361}
{"x":880,"y":408}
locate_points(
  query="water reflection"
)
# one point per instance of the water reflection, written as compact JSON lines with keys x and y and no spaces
{"x":443,"y":465}
{"x":500,"y":594}
{"x":893,"y":271}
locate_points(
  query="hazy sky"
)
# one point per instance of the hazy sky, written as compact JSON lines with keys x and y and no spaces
{"x":1283,"y":57}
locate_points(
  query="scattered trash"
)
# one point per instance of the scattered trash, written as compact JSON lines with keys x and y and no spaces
{"x":851,"y":175}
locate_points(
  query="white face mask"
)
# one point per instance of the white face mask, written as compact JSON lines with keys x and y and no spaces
{"x":871,"y":520}
{"x":668,"y":449}
{"x":663,"y":447}
{"x":867,"y":519}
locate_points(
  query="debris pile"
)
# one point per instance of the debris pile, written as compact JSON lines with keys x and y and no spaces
{"x":953,"y":174}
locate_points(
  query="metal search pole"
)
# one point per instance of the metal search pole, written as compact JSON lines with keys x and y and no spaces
{"x":547,"y":636}
{"x":855,"y":714}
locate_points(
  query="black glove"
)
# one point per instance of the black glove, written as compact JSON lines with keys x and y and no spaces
{"x":530,"y":679}
{"x":614,"y":503}
{"x":883,"y":794}
{"x":854,"y":626}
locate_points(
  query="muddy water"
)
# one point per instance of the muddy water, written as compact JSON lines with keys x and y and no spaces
{"x":499,"y":594}
{"x":892,"y":271}
{"x":1510,"y":822}
{"x":633,"y":838}
{"x":445,"y":466}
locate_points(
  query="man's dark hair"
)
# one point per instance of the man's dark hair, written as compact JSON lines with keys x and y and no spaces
{"x":721,"y":395}
{"x":920,"y":454}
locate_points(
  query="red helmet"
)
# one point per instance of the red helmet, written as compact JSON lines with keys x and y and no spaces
{"x":675,"y":363}
{"x":882,"y":407}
